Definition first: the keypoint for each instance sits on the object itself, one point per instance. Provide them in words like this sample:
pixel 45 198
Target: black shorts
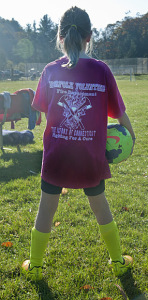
pixel 53 189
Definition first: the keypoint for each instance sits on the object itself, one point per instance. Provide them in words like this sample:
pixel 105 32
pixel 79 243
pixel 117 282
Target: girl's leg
pixel 100 207
pixel 47 208
pixel 40 233
pixel 107 225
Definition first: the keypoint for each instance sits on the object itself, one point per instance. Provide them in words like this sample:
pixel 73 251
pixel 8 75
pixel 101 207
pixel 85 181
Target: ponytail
pixel 72 46
pixel 74 27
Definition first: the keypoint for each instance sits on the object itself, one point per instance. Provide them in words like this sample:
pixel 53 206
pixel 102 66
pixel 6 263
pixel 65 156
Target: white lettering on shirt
pixel 73 135
pixel 77 86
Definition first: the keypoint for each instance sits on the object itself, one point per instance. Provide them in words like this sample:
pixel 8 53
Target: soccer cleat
pixel 34 273
pixel 120 268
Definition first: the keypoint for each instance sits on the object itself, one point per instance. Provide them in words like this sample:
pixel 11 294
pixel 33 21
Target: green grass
pixel 76 255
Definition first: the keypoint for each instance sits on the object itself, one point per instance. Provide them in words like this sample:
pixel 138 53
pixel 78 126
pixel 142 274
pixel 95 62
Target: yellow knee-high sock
pixel 39 241
pixel 111 237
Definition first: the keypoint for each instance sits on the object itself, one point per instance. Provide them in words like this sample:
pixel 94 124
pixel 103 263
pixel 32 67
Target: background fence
pixel 128 66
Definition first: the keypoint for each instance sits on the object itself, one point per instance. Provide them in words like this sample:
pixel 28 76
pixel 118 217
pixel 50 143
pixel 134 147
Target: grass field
pixel 76 255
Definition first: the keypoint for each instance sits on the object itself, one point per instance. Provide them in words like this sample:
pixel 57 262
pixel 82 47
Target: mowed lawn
pixel 76 260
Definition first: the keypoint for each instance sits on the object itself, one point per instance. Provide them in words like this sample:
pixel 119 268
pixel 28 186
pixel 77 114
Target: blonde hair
pixel 74 28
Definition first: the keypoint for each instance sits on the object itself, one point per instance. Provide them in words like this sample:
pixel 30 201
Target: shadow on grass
pixel 42 287
pixel 19 165
pixel 44 291
pixel 130 287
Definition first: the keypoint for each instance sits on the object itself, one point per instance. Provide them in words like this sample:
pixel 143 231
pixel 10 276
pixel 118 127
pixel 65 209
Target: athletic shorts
pixel 53 189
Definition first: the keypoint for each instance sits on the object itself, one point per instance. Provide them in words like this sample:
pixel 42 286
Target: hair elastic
pixel 73 25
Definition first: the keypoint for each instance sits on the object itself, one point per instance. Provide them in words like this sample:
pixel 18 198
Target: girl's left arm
pixel 125 121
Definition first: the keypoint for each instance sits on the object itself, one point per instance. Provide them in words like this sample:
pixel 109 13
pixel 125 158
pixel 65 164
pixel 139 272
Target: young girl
pixel 77 94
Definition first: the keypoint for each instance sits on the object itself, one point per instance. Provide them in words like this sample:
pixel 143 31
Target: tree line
pixel 124 39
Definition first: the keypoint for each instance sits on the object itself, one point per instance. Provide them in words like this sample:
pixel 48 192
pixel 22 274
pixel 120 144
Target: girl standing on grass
pixel 77 94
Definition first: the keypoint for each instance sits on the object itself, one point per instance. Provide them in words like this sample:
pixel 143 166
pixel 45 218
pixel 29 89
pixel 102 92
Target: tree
pixel 127 38
pixel 47 39
pixel 3 59
pixel 24 49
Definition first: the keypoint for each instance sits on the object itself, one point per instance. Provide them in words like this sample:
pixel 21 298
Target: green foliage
pixel 127 38
pixel 31 44
pixel 24 49
pixel 3 59
pixel 76 255
pixel 9 31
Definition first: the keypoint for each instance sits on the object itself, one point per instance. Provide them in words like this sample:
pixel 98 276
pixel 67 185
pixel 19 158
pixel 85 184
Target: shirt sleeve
pixel 116 106
pixel 41 99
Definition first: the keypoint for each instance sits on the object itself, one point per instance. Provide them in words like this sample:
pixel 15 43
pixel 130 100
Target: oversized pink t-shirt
pixel 78 102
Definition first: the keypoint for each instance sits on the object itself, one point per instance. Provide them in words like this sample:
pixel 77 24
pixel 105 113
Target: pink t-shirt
pixel 78 102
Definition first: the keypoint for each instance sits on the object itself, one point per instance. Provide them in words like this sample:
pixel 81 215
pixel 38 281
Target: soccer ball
pixel 119 143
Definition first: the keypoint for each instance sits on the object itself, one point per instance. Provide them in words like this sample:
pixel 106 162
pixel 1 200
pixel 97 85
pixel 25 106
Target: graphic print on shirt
pixel 75 107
